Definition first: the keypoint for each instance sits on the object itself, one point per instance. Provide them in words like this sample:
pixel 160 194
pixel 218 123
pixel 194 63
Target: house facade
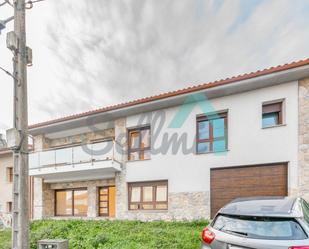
pixel 179 155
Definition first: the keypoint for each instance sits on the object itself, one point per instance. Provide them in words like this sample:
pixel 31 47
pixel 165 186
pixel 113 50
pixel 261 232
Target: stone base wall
pixel 181 206
pixel 303 138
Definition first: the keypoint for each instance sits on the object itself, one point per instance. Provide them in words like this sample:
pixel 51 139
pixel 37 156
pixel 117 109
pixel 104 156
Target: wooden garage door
pixel 230 183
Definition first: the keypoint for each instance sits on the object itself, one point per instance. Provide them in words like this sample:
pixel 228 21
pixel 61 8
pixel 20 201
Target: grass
pixel 116 234
pixel 5 239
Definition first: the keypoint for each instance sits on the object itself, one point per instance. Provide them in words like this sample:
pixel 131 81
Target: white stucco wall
pixel 248 143
pixel 6 191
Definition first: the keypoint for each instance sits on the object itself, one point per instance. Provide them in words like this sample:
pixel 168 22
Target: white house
pixel 178 155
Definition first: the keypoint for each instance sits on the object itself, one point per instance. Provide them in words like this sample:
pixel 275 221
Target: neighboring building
pixel 6 182
pixel 178 155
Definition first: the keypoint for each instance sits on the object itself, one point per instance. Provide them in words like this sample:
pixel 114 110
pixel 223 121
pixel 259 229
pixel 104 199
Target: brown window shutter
pixel 269 108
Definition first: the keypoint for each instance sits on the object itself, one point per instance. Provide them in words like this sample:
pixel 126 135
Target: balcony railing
pixel 87 153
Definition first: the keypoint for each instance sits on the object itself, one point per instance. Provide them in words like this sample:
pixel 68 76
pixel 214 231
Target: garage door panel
pixel 243 172
pixel 238 182
pixel 222 193
pixel 240 192
pixel 252 181
pixel 252 187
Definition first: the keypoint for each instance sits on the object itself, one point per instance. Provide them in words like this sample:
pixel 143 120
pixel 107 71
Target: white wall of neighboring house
pixel 248 143
pixel 5 187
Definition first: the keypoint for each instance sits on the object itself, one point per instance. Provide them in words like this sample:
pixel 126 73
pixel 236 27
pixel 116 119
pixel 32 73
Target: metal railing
pixel 85 153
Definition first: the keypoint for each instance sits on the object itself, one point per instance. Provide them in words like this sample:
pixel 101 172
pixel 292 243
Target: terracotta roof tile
pixel 178 92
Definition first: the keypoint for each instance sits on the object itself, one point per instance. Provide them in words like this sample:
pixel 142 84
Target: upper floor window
pixel 211 133
pixel 272 114
pixel 139 144
pixel 9 174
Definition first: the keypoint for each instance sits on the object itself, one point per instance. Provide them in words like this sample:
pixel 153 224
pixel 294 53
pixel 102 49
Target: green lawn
pixel 5 237
pixel 116 234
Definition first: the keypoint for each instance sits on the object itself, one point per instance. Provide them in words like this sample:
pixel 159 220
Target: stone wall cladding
pixel 81 138
pixel 182 206
pixel 121 185
pixel 38 200
pixel 303 138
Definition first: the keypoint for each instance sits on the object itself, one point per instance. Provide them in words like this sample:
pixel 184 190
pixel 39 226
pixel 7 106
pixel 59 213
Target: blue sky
pixel 247 8
pixel 88 54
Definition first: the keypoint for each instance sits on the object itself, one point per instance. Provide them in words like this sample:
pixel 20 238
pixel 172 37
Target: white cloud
pixel 92 53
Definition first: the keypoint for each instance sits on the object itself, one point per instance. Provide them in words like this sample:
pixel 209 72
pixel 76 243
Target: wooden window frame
pixel 273 108
pixel 211 139
pixel 154 202
pixel 9 207
pixel 139 149
pixel 9 174
pixel 99 201
pixel 72 191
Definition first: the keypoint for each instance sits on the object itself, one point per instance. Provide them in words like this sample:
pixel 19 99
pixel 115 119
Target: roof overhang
pixel 214 90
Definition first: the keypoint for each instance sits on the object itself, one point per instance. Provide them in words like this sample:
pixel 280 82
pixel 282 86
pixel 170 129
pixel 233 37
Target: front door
pixel 107 201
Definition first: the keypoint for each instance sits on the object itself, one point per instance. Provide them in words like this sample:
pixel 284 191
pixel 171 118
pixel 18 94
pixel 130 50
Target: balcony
pixel 83 162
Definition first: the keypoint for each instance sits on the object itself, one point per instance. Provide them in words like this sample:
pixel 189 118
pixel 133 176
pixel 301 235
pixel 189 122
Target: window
pixel 139 144
pixel 211 133
pixel 272 114
pixel 148 196
pixel 266 228
pixel 9 174
pixel 9 206
pixel 71 202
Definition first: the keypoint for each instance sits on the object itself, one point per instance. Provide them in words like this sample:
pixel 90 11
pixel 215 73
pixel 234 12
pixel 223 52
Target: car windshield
pixel 260 227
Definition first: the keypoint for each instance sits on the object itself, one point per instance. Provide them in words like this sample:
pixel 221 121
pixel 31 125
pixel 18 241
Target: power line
pixel 7 72
pixel 31 2
pixel 6 2
pixel 35 1
pixel 9 3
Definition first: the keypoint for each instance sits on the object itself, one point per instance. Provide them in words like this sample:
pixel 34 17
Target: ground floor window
pixel 148 195
pixel 71 202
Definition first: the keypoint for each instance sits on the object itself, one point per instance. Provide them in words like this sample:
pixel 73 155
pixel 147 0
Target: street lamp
pixel 4 22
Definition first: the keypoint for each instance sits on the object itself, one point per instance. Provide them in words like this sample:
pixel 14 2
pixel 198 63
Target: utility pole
pixel 20 224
